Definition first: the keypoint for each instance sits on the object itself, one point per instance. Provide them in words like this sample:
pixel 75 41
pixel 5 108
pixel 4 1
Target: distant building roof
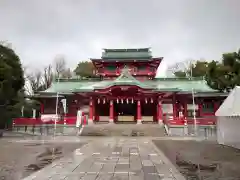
pixel 141 53
pixel 128 50
pixel 231 105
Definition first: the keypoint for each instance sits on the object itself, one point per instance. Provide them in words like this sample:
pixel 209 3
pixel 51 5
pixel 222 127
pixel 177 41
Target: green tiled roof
pixel 128 50
pixel 126 55
pixel 164 84
pixel 183 85
pixel 63 87
pixel 143 53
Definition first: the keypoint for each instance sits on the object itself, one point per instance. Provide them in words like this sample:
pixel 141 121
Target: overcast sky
pixel 79 29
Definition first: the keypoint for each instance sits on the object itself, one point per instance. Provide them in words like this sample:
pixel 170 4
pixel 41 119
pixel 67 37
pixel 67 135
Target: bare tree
pixel 36 81
pixel 42 80
pixel 27 77
pixel 47 76
pixel 67 73
pixel 181 69
pixel 59 65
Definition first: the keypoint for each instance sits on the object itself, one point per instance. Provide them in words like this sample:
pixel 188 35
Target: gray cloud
pixel 177 30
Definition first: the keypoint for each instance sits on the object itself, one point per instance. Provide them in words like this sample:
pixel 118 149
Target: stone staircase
pixel 154 130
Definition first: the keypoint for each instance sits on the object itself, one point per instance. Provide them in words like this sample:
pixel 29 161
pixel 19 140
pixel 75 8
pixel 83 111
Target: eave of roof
pixel 205 94
pixel 48 95
pixel 182 86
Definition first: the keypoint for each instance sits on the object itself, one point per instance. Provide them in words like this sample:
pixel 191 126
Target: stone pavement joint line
pixel 109 159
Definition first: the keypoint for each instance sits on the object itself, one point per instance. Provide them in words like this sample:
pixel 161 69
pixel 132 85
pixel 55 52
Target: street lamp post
pixel 193 101
pixel 56 111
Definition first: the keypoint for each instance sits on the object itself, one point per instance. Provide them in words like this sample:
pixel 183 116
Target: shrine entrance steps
pixel 153 130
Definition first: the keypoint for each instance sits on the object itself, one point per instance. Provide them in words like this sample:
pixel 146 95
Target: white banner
pixel 34 113
pixel 64 103
pixel 22 111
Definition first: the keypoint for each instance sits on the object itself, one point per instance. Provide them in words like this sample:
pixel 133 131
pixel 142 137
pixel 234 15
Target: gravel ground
pixel 18 160
pixel 202 160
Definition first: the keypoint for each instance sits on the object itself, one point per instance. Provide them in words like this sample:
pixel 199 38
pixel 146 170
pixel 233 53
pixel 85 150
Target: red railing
pixel 27 121
pixel 203 121
pixel 38 121
pixel 199 121
pixel 71 120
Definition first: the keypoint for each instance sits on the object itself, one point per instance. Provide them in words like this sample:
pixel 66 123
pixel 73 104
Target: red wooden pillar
pixel 94 110
pixel 200 106
pixel 178 108
pixel 174 109
pixel 111 112
pixel 215 106
pixel 160 113
pixel 90 118
pixel 42 108
pixel 185 113
pixel 84 119
pixel 139 114
pixel 174 106
pixel 96 115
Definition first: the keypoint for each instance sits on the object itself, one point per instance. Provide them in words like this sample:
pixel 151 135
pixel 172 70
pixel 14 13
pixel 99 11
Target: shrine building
pixel 128 91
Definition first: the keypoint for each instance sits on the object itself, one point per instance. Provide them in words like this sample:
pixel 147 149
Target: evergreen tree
pixel 11 84
pixel 224 75
pixel 85 69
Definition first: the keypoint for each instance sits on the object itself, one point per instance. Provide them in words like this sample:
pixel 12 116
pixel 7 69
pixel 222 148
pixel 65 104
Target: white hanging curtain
pixel 64 103
pixel 34 113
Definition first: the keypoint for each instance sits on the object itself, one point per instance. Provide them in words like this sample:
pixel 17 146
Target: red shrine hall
pixel 127 91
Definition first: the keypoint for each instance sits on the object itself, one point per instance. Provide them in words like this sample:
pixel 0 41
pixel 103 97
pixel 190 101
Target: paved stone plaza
pixel 112 158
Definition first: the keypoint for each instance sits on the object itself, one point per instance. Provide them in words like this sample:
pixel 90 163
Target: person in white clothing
pixel 79 119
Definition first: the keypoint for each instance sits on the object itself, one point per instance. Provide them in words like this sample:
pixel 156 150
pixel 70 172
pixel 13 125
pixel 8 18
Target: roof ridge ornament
pixel 125 74
pixel 126 70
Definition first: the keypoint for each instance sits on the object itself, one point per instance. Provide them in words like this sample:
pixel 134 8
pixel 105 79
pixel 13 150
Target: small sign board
pixel 124 88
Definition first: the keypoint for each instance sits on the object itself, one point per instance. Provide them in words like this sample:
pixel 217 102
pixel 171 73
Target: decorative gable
pixel 126 75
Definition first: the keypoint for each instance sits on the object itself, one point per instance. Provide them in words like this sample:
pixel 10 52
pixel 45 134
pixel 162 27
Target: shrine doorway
pixel 125 112
pixel 102 112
